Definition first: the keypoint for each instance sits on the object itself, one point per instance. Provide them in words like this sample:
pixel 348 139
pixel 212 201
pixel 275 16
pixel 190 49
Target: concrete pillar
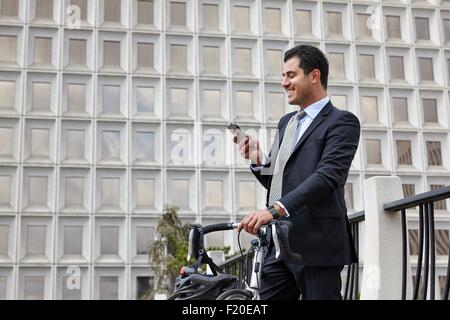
pixel 382 273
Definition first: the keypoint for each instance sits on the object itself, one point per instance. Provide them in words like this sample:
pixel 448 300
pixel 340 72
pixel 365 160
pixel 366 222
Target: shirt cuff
pixel 284 208
pixel 265 160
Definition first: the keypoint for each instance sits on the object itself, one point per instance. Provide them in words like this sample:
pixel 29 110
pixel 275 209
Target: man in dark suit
pixel 305 175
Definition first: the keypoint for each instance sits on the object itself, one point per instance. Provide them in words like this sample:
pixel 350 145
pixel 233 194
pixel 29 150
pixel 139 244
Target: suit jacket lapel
pixel 317 120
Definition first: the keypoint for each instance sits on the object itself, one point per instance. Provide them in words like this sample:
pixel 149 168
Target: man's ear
pixel 315 76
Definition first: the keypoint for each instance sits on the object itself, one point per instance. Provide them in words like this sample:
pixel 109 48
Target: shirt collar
pixel 313 110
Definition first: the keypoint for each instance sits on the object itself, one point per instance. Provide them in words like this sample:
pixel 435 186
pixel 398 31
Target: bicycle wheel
pixel 236 294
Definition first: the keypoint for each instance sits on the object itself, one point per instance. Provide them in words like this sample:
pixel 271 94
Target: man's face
pixel 295 82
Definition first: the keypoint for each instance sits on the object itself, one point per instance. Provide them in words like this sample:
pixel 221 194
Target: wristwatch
pixel 274 212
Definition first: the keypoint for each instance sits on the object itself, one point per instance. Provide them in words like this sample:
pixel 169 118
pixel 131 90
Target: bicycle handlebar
pixel 219 227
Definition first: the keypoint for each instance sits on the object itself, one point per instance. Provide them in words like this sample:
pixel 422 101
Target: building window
pixel 44 9
pixel 73 236
pixel 440 205
pixel 111 54
pixel 145 193
pixel 400 106
pixel 275 105
pixel 178 14
pixel 145 146
pixel 370 109
pixel 447 29
pixel 36 240
pixel 241 16
pixel 110 192
pixel 82 5
pixel 110 145
pixel 348 195
pixel 274 62
pixel 244 104
pixel 9 8
pixel 430 113
pixel 180 188
pixel 34 287
pixel 145 12
pixel 434 154
pixel 178 58
pixel 109 240
pixel 373 151
pixel 6 142
pixel 42 50
pixel 112 10
pixel 145 55
pixel 210 16
pixel 69 293
pixel 5 190
pixel 361 25
pixel 41 96
pixel 111 99
pixel 77 52
pixel 8 48
pixel 144 238
pixel 442 239
pixel 404 152
pixel 74 191
pixel 8 94
pixel 4 235
pixel 211 102
pixel 247 195
pixel 396 68
pixel 334 20
pixel 109 288
pixel 340 101
pixel 393 27
pixel 213 194
pixel 178 102
pixel 76 97
pixel 75 145
pixel 304 24
pixel 366 67
pixel 272 18
pixel 426 69
pixel 408 190
pixel 37 192
pixel 40 143
pixel 145 99
pixel 413 242
pixel 143 287
pixel 211 58
pixel 337 65
pixel 243 61
pixel 422 28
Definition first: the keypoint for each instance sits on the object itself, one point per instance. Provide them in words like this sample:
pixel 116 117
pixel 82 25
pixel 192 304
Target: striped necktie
pixel 286 148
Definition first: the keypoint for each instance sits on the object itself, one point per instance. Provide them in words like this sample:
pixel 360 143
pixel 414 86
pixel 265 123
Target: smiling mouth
pixel 290 93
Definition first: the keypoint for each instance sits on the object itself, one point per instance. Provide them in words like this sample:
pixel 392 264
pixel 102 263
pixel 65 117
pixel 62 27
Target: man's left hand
pixel 254 220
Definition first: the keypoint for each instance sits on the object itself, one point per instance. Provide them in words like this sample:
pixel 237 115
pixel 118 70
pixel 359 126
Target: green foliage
pixel 168 253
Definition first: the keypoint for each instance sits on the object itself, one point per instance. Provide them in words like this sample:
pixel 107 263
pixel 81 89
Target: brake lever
pixel 276 242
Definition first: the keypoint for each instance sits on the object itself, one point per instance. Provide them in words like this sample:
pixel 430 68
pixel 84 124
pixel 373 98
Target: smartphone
pixel 234 128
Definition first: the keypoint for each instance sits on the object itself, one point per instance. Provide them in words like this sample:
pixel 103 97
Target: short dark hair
pixel 310 58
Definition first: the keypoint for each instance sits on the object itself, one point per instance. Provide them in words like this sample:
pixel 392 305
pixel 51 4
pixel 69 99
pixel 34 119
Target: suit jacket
pixel 313 186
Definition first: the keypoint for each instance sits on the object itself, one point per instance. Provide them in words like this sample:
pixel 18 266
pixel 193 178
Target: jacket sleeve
pixel 264 176
pixel 332 170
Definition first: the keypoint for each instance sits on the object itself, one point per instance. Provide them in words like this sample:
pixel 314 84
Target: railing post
pixel 382 273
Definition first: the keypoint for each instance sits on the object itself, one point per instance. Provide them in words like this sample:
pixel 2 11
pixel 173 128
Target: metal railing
pixel 240 265
pixel 426 258
pixel 352 281
pixel 425 202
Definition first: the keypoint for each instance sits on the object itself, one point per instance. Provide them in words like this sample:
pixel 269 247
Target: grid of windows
pixel 95 137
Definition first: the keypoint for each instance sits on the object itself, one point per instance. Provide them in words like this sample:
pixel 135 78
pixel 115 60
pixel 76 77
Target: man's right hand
pixel 250 148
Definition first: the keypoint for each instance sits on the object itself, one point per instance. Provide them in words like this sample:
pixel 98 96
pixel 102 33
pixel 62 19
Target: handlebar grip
pixel 218 227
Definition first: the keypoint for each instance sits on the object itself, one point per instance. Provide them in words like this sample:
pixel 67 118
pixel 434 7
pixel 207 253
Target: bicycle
pixel 191 284
pixel 280 237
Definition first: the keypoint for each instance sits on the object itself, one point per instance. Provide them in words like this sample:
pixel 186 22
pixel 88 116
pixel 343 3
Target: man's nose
pixel 285 83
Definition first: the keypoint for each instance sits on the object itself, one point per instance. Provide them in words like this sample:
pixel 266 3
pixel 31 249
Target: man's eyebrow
pixel 288 73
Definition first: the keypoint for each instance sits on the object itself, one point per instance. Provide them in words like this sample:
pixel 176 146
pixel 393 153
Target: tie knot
pixel 300 114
